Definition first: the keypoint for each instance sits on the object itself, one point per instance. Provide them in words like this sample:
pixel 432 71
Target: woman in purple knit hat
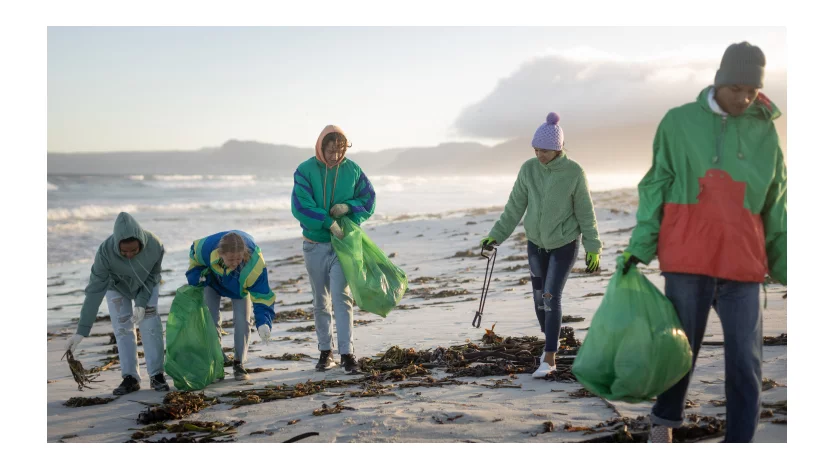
pixel 554 192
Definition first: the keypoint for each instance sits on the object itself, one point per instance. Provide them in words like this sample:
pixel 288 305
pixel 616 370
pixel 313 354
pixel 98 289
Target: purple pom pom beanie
pixel 549 135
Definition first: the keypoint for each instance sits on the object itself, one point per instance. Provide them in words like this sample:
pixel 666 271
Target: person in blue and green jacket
pixel 327 187
pixel 230 264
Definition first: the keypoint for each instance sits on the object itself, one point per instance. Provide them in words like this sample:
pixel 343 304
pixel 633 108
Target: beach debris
pixel 767 384
pixel 332 409
pixel 572 319
pixel 549 426
pixel 188 431
pixel 302 329
pixel 490 337
pixel 373 389
pixel 76 402
pixel 718 403
pixel 583 429
pixel 290 423
pixel 430 382
pixel 362 322
pixel 300 437
pixel 297 314
pixel 287 357
pixel 501 383
pixel 766 414
pixel 781 340
pixel 523 281
pixel 780 407
pixel 176 405
pixel 82 376
pixel 255 370
pixel 593 294
pixel 779 421
pixel 581 393
pixel 304 339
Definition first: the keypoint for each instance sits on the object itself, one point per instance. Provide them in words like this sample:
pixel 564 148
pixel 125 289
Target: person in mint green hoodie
pixel 328 187
pixel 127 269
pixel 714 210
pixel 553 190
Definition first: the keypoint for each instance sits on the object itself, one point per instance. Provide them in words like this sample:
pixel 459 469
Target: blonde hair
pixel 233 243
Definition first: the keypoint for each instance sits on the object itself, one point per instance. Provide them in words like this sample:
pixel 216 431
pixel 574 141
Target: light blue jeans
pixel 121 311
pixel 331 295
pixel 242 309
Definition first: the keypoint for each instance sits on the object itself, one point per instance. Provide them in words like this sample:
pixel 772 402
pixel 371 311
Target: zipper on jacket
pixel 720 143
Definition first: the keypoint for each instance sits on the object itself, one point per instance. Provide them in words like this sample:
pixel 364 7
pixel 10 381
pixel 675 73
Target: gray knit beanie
pixel 742 64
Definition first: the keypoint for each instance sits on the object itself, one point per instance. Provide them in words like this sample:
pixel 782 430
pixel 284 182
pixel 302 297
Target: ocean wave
pixel 70 227
pixel 136 177
pixel 51 187
pixel 99 212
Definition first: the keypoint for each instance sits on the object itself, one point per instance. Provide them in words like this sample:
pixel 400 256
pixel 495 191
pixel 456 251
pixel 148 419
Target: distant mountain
pixel 622 148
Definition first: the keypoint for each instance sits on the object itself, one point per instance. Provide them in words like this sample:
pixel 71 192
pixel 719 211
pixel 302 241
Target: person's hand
pixel 72 343
pixel 336 230
pixel 486 241
pixel 138 315
pixel 339 210
pixel 264 332
pixel 591 262
pixel 629 261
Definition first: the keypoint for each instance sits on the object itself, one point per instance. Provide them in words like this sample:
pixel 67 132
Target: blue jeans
pixel 242 309
pixel 549 272
pixel 331 294
pixel 121 310
pixel 737 304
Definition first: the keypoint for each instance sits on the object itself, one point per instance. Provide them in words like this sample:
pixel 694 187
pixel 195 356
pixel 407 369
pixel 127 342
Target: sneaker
pixel 542 371
pixel 349 363
pixel 240 372
pixel 541 359
pixel 660 434
pixel 129 384
pixel 159 384
pixel 326 361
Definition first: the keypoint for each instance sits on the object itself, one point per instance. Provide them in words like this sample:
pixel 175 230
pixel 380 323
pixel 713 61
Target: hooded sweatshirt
pixel 715 201
pixel 319 186
pixel 134 278
pixel 558 205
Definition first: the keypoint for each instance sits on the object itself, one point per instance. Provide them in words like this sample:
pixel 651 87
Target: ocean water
pixel 182 208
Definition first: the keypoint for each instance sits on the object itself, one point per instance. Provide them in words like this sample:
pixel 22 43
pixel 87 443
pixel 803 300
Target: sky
pixel 184 88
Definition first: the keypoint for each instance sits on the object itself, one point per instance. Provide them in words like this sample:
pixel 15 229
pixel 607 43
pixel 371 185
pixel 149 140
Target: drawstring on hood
pixel 330 128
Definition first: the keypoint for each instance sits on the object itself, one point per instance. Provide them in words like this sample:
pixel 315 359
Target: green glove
pixel 592 262
pixel 630 260
pixel 488 241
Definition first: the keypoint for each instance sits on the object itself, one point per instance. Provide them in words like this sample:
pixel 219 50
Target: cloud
pixel 593 90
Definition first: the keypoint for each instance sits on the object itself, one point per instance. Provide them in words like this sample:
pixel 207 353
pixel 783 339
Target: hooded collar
pixel 320 152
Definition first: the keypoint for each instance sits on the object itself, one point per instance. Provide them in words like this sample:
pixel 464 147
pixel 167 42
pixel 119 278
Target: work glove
pixel 339 210
pixel 265 333
pixel 138 315
pixel 336 230
pixel 629 260
pixel 591 262
pixel 488 241
pixel 72 343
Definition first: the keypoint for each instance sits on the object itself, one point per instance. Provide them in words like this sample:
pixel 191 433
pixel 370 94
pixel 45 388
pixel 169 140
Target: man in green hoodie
pixel 127 268
pixel 713 209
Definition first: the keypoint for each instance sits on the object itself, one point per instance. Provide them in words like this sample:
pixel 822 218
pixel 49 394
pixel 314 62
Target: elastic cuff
pixel 83 330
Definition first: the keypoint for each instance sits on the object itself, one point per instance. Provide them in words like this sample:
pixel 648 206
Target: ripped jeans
pixel 549 272
pixel 121 310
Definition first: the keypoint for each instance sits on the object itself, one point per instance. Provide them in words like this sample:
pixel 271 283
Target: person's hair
pixel 130 240
pixel 233 243
pixel 341 142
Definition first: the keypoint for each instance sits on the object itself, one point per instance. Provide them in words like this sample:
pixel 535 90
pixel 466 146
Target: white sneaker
pixel 541 359
pixel 542 371
pixel 660 434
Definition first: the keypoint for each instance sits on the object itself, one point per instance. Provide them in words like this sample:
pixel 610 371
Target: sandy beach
pixel 436 312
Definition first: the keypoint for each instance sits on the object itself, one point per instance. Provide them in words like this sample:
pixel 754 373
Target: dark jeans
pixel 737 304
pixel 549 271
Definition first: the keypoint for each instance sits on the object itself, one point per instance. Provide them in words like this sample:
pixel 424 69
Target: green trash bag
pixel 194 358
pixel 635 348
pixel 376 283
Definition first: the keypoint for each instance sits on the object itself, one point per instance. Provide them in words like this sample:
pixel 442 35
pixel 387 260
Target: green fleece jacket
pixel 558 205
pixel 133 278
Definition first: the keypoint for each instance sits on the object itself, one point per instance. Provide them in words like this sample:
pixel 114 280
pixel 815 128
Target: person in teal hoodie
pixel 230 264
pixel 127 269
pixel 327 187
pixel 553 191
